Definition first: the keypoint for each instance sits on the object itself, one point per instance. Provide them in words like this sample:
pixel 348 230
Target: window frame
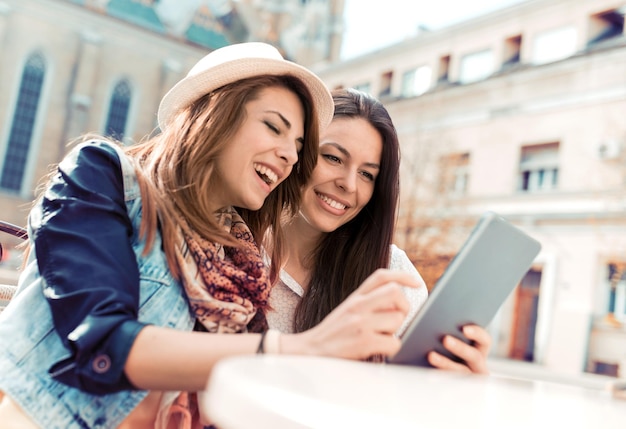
pixel 112 115
pixel 540 174
pixel 26 190
pixel 420 81
pixel 477 57
pixel 540 54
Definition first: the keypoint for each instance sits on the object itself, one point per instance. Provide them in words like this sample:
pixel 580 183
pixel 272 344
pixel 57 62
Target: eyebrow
pixel 285 121
pixel 347 154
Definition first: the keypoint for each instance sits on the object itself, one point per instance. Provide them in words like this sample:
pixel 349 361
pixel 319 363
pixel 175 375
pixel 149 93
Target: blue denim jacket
pixel 84 295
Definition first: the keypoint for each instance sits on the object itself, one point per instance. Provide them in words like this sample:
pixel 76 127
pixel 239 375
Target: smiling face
pixel 262 152
pixel 344 178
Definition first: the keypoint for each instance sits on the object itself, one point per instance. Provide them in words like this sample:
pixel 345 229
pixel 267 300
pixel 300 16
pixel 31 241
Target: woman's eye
pixel 331 158
pixel 368 176
pixel 272 127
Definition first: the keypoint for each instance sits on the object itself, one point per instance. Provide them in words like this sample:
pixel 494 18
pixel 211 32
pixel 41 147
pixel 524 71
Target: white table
pixel 308 392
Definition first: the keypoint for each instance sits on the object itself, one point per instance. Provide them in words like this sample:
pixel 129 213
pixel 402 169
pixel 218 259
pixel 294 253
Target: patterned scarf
pixel 228 289
pixel 226 286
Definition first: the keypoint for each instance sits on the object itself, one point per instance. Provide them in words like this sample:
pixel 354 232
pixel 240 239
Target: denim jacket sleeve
pixel 82 236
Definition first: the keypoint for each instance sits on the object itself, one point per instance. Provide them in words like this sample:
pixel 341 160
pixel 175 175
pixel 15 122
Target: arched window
pixel 23 123
pixel 118 110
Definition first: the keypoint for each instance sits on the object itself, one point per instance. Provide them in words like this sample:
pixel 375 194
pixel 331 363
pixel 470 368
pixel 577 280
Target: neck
pixel 302 240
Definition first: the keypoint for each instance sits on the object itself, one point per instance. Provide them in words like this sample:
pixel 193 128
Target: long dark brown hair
pixel 347 256
pixel 176 168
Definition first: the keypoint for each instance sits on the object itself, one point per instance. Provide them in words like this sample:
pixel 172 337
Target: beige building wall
pixel 576 100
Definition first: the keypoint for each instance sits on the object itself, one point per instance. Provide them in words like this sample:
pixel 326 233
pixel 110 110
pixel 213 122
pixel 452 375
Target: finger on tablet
pixel 440 361
pixel 480 337
pixel 471 356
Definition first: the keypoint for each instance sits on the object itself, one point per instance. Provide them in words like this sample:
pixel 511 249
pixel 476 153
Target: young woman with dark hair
pixel 344 229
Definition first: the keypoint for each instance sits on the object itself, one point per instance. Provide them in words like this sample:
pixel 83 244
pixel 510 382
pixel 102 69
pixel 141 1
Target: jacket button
pixel 101 364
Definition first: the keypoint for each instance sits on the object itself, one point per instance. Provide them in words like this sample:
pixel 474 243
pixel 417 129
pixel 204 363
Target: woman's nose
pixel 288 151
pixel 347 182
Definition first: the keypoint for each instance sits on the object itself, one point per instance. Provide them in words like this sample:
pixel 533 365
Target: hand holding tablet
pixel 489 265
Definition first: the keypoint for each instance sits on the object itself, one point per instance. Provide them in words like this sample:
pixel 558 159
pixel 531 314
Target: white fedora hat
pixel 235 62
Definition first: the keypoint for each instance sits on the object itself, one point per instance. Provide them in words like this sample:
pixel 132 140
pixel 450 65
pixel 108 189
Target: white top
pixel 287 293
pixel 287 392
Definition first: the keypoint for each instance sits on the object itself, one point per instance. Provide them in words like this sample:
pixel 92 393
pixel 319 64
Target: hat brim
pixel 193 87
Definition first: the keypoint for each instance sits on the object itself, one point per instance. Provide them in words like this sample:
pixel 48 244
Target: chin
pixel 255 206
pixel 249 205
pixel 325 228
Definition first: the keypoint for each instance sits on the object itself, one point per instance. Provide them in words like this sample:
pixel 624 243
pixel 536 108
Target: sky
pixel 369 27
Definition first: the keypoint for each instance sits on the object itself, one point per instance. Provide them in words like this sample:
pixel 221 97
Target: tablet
pixel 493 260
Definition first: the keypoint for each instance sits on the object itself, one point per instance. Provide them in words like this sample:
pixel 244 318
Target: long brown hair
pixel 176 169
pixel 345 257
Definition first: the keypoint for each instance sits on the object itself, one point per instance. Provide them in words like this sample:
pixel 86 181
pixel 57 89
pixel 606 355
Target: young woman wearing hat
pixel 135 253
pixel 343 231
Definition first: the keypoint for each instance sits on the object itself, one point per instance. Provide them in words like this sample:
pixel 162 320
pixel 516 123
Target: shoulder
pixel 91 167
pixel 399 260
pixel 90 152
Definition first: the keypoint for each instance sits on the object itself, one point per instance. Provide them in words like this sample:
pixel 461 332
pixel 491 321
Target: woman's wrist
pixel 295 344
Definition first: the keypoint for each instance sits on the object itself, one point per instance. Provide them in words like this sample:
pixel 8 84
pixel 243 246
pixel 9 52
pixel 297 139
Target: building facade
pixel 520 111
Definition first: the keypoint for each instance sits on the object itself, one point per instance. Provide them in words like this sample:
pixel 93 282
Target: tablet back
pixel 479 278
